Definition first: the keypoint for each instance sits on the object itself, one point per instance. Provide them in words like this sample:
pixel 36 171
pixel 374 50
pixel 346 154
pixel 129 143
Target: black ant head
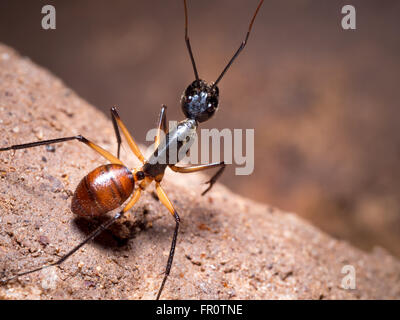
pixel 200 100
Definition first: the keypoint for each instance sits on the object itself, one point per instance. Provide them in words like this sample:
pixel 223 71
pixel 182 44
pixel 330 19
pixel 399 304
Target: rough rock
pixel 228 248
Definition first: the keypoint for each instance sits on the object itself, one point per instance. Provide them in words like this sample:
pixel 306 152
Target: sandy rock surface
pixel 228 247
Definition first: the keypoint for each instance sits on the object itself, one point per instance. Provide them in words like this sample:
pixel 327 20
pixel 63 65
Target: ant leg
pixel 167 203
pixel 202 167
pixel 92 145
pixel 91 236
pixel 132 144
pixel 162 125
pixel 117 133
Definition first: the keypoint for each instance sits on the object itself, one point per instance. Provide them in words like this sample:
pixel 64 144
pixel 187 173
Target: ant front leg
pixel 202 167
pixel 162 125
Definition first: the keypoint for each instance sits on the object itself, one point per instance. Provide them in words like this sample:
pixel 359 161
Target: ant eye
pixel 212 104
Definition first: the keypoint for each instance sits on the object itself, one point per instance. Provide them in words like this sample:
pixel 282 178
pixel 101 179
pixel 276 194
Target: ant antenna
pixel 188 43
pixel 240 48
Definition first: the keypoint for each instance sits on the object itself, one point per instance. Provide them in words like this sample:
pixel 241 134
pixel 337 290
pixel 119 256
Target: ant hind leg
pixel 167 203
pixel 80 138
pixel 91 236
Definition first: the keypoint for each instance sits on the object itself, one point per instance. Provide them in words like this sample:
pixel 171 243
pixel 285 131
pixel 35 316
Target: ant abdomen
pixel 102 190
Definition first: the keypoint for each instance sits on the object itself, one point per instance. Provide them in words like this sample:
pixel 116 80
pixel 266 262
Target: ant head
pixel 200 100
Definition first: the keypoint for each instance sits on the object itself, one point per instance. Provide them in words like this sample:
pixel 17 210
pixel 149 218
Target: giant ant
pixel 109 186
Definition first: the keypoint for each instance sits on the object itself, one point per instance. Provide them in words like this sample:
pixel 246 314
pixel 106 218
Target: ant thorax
pixel 174 146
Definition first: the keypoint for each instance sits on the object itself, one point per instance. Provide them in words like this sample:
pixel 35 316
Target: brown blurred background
pixel 324 102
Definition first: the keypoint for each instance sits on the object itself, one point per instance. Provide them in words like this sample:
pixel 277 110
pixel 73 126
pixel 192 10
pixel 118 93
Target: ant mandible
pixel 109 186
